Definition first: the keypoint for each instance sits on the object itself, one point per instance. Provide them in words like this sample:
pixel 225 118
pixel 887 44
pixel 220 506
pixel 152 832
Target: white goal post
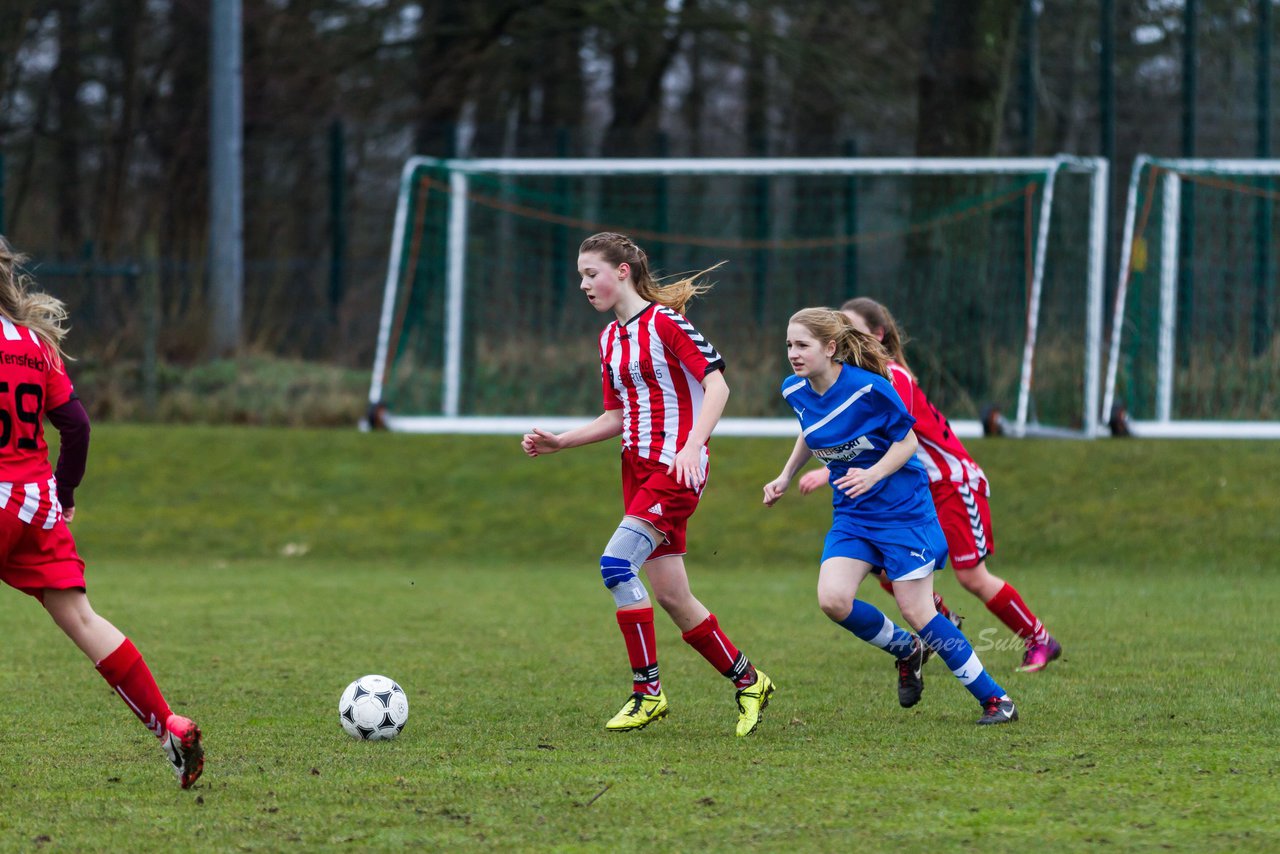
pixel 458 187
pixel 1230 224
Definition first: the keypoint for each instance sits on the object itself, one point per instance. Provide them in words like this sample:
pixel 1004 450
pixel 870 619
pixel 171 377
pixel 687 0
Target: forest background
pixel 104 132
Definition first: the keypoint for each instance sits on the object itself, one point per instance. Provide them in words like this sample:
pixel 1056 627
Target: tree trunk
pixel 125 30
pixel 639 65
pixel 961 90
pixel 177 126
pixel 755 202
pixel 66 79
pixel 961 103
pixel 441 87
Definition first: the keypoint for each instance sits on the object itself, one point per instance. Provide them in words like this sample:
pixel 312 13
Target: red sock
pixel 125 671
pixel 712 645
pixel 642 649
pixel 1014 613
pixel 937 599
pixel 941 607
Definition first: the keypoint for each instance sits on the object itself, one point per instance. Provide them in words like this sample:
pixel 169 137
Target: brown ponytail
pixel 39 312
pixel 619 249
pixel 878 317
pixel 852 347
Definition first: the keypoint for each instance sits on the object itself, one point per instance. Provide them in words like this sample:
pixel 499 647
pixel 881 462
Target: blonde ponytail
pixel 41 313
pixel 852 347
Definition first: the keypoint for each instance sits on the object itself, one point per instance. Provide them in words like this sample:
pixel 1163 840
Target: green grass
pixel 261 570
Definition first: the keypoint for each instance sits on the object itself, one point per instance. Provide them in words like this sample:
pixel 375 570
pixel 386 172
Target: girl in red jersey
pixel 664 392
pixel 960 491
pixel 37 553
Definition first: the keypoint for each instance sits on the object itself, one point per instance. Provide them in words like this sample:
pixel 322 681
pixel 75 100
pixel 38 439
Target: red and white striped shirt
pixel 943 455
pixel 32 382
pixel 652 367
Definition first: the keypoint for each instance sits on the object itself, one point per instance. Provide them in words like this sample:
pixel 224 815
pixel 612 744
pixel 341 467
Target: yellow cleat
pixel 639 711
pixel 752 701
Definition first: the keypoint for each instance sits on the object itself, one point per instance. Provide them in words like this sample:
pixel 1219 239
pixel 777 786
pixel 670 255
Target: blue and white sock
pixel 869 623
pixel 952 647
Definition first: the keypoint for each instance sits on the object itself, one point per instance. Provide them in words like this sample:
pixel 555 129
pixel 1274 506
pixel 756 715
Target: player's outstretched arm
pixel 774 489
pixel 542 442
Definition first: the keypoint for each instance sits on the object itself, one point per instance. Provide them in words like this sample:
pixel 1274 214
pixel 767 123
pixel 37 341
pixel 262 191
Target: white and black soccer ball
pixel 373 708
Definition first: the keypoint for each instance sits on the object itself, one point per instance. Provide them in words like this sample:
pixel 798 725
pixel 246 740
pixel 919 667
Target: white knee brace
pixel 626 552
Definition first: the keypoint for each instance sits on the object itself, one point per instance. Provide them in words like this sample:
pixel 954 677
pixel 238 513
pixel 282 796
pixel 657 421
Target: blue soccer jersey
pixel 853 424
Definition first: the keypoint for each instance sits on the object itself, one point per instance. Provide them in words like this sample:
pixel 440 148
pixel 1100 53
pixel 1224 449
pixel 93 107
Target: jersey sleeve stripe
pixel 699 340
pixel 841 408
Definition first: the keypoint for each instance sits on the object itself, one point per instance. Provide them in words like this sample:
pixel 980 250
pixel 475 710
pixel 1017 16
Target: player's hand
pixel 540 442
pixel 774 489
pixel 68 513
pixel 687 466
pixel 856 482
pixel 813 480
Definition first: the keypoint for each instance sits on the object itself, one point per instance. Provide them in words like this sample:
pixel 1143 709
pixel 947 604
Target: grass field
pixel 260 571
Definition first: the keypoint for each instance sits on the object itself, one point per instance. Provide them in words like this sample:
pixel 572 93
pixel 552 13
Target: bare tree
pixel 126 31
pixel 66 79
pixel 964 77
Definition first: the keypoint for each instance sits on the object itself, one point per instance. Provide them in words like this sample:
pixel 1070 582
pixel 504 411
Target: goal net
pixel 993 267
pixel 1193 349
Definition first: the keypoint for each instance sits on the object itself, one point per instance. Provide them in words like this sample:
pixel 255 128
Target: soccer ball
pixel 373 708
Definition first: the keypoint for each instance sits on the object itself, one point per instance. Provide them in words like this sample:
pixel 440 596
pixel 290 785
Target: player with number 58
pixel 37 552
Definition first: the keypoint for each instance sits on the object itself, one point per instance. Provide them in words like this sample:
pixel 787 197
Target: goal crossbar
pixel 460 171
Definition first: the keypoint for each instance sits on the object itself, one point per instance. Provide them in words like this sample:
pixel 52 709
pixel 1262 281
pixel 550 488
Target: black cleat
pixel 998 710
pixel 910 677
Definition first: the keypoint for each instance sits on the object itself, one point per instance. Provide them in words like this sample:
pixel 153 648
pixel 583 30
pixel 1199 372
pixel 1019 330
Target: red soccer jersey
pixel 32 382
pixel 652 369
pixel 943 455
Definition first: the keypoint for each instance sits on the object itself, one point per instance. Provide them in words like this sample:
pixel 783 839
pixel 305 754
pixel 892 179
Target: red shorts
pixel 649 493
pixel 33 559
pixel 966 523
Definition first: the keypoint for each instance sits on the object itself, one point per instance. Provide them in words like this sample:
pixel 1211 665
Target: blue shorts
pixel 903 553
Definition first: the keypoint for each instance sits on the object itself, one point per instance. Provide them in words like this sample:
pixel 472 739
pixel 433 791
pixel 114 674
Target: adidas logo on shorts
pixel 655 509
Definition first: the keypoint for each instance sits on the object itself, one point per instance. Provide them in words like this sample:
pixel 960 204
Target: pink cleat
pixel 1038 656
pixel 181 744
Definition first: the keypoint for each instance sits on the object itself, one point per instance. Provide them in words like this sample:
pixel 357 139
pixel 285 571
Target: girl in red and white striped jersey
pixel 664 392
pixel 37 553
pixel 960 491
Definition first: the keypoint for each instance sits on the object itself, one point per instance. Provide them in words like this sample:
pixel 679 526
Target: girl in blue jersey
pixel 852 419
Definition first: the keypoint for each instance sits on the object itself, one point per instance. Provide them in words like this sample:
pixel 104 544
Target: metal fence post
pixel 1264 278
pixel 337 216
pixel 147 275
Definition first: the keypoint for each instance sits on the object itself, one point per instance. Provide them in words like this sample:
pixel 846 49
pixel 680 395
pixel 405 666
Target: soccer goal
pixel 1194 350
pixel 994 268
